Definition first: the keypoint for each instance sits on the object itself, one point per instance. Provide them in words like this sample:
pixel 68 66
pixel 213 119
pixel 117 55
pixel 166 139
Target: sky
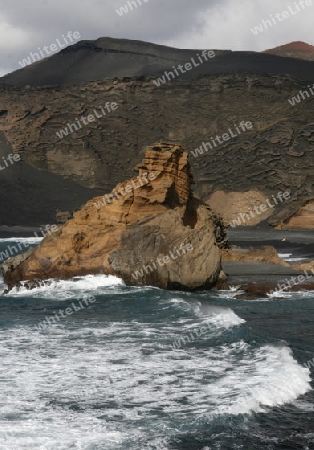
pixel 26 25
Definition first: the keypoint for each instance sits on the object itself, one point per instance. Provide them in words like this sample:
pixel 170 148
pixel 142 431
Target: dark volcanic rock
pixel 275 155
pixel 103 153
pixel 108 58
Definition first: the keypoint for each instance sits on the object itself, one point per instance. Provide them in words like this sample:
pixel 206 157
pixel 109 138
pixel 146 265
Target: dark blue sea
pixel 142 368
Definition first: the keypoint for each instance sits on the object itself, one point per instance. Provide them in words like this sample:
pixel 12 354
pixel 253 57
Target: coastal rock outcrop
pixel 150 230
pixel 302 218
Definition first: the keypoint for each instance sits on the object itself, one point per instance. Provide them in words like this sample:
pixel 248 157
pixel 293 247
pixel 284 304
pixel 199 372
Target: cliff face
pixel 61 167
pixel 148 230
pixel 274 155
pixel 302 218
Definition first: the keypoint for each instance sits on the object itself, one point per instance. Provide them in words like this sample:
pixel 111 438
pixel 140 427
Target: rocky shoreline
pixel 265 258
pixel 159 233
pixel 254 279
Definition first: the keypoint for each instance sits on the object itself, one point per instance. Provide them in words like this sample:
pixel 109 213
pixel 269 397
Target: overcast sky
pixel 26 25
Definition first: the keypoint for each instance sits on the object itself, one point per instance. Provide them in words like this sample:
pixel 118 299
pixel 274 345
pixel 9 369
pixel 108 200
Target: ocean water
pixel 142 368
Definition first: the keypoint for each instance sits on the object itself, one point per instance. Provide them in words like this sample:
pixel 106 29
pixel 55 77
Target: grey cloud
pixel 43 21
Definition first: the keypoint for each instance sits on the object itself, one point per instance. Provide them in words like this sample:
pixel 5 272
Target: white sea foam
pixel 184 305
pixel 284 255
pixel 65 378
pixel 99 384
pixel 296 259
pixel 271 377
pixel 217 316
pixel 228 294
pixel 276 294
pixel 235 288
pixel 27 240
pixel 64 289
pixel 221 317
pixel 287 257
pixel 289 295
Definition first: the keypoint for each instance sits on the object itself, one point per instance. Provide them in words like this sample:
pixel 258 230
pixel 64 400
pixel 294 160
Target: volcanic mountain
pixel 297 49
pixel 107 58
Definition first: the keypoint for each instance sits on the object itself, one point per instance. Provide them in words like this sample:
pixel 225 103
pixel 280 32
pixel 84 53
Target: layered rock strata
pixel 149 230
pixel 275 155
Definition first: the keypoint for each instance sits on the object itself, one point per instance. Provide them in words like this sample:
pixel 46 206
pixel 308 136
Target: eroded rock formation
pixel 302 218
pixel 265 254
pixel 237 208
pixel 149 230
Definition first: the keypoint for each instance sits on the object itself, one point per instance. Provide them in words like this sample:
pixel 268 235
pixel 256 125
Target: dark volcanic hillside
pixel 275 155
pixel 30 196
pixel 108 58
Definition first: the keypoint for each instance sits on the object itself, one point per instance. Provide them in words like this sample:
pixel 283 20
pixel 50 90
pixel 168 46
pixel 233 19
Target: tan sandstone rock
pixel 237 208
pixel 150 230
pixel 303 218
